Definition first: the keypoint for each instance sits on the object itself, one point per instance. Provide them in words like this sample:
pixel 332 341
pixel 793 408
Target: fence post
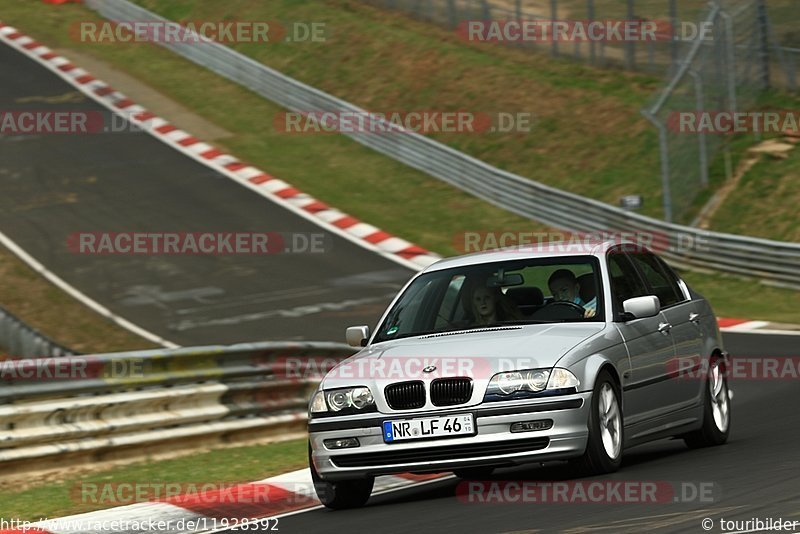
pixel 673 21
pixel 666 193
pixel 700 106
pixel 553 19
pixel 630 52
pixel 763 42
pixel 451 14
pixel 730 63
pixel 486 11
pixel 590 16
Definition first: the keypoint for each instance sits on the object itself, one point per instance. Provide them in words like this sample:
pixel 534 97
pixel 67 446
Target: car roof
pixel 553 249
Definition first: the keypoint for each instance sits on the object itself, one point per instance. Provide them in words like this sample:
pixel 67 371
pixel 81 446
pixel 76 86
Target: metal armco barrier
pixel 54 408
pixel 19 339
pixel 772 261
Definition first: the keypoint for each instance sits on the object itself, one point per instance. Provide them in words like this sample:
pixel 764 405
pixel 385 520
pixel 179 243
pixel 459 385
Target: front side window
pixel 625 280
pixel 662 283
pixel 539 290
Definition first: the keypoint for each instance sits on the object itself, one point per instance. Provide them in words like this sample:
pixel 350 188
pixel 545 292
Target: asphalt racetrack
pixel 754 475
pixel 57 185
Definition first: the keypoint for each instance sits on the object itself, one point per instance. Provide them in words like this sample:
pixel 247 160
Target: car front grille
pixel 441 453
pixel 405 395
pixel 451 391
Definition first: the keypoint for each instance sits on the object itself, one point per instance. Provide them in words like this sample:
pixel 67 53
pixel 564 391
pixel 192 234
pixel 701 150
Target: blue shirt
pixel 591 305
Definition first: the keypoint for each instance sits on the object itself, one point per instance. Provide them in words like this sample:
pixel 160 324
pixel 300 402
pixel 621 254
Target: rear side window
pixel 625 281
pixel 662 282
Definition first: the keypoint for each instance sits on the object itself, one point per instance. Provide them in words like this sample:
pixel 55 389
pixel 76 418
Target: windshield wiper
pixel 413 334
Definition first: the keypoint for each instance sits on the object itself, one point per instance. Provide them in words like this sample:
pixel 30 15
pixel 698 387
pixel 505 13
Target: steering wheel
pixel 566 303
pixel 567 309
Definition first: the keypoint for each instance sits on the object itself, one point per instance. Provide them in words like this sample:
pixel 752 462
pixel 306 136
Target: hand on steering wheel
pixel 585 312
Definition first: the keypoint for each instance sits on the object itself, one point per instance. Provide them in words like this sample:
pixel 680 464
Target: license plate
pixel 428 427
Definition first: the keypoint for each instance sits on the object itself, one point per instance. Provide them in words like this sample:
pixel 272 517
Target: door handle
pixel 695 318
pixel 664 328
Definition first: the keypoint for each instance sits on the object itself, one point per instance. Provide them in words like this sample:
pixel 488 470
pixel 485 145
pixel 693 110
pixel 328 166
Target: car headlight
pixel 318 403
pixel 342 401
pixel 530 382
pixel 562 379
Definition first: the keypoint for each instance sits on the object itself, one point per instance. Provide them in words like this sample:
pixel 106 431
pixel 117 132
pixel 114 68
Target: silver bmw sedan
pixel 507 357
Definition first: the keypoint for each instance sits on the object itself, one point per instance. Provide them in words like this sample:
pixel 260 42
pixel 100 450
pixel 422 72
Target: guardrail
pixel 54 410
pixel 772 261
pixel 19 339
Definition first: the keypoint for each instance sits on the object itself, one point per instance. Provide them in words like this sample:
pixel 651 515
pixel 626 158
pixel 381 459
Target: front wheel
pixel 716 409
pixel 604 447
pixel 341 494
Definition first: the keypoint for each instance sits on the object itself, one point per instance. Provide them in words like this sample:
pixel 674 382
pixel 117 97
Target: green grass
pixel 765 202
pixel 732 296
pixel 589 136
pixel 224 466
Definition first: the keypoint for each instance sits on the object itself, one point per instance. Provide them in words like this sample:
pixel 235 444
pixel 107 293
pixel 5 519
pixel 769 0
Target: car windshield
pixel 538 290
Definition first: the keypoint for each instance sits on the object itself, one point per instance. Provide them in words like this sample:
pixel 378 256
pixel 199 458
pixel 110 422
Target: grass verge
pixel 59 498
pixel 765 202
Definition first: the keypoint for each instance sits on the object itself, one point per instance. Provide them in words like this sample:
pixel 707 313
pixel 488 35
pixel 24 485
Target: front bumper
pixel 493 445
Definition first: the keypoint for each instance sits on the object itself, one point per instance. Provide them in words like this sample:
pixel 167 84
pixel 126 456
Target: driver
pixel 564 287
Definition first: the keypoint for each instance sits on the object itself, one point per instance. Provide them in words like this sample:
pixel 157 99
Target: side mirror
pixel 641 307
pixel 357 336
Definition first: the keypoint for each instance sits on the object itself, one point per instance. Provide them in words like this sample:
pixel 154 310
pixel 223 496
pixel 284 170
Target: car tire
pixel 604 446
pixel 474 473
pixel 716 425
pixel 341 494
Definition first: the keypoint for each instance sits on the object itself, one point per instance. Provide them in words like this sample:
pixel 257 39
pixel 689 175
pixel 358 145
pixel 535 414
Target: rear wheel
pixel 604 447
pixel 716 409
pixel 341 494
